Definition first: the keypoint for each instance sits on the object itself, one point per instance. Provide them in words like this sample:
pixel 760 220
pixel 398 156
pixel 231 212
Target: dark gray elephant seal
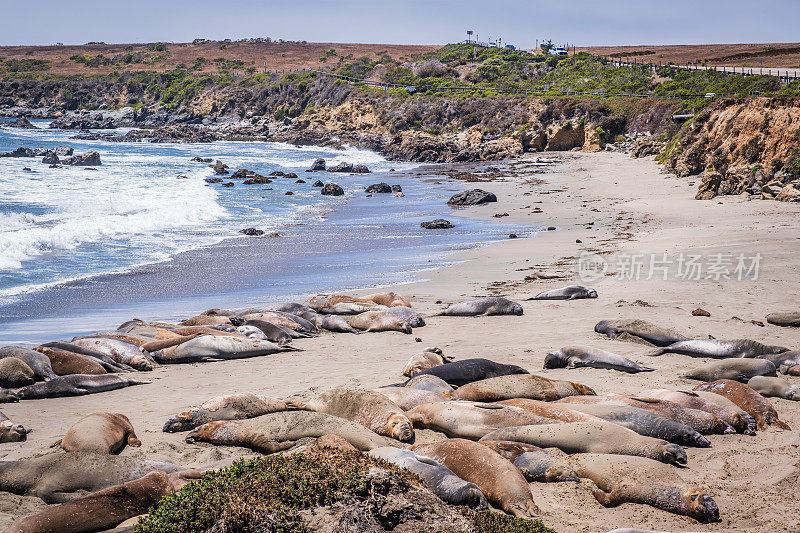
pixel 783 361
pixel 638 331
pixel 487 306
pixel 437 477
pixel 7 396
pixel 11 432
pixel 76 385
pixel 38 362
pixel 274 333
pixel 719 349
pixel 774 387
pixel 581 356
pixel 787 319
pixel 335 323
pixel 737 369
pixel 407 315
pixel 14 373
pixel 465 371
pixel 570 292
pixel 293 308
pixel 428 382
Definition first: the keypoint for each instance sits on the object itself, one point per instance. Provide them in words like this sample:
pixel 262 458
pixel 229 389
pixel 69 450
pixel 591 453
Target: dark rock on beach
pixel 89 159
pixel 331 189
pixel 439 223
pixel 379 188
pixel 473 197
pixel 253 232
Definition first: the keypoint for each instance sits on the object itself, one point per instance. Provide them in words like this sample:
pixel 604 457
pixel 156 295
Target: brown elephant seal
pixel 389 299
pixel 488 306
pixel 76 385
pixel 625 479
pixel 430 358
pixel 498 479
pixel 206 320
pixel 519 386
pixel 465 371
pixel 279 431
pixel 157 346
pixel 14 373
pixel 207 347
pixel 11 432
pixel 731 415
pixel 428 382
pixel 536 465
pixel 65 363
pixel 298 326
pixel 570 292
pixel 227 407
pixel 407 399
pixel 332 304
pixel 119 350
pixel 593 437
pixel 638 331
pixel 366 407
pixel 582 356
pixel 60 477
pixel 719 349
pixel 786 319
pixel 335 323
pixel 774 387
pixel 556 411
pixel 37 361
pixel 437 477
pixel 747 399
pixel 107 362
pixel 735 369
pixel 471 420
pixel 373 321
pixel 100 433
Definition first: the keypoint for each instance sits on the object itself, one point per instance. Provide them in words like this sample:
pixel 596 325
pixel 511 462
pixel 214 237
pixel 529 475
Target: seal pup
pixel 786 319
pixel 101 433
pixel 593 437
pixel 638 331
pixel 570 292
pixel 252 332
pixel 719 349
pixel 407 315
pixel 581 356
pixel 747 399
pixel 441 480
pixel 37 361
pixel 76 385
pixel 732 415
pixel 536 465
pixel 626 479
pixel 273 333
pixel 465 371
pixel 377 321
pixel 335 323
pixel 428 382
pixel 366 407
pixel 429 358
pixel 407 398
pixel 518 386
pixel 774 387
pixel 118 350
pixel 501 482
pixel 735 369
pixel 11 432
pixel 14 373
pixel 226 407
pixel 471 420
pixel 487 306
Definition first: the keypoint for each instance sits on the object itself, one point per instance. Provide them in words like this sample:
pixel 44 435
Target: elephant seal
pixel 101 433
pixel 108 363
pixel 407 399
pixel 624 479
pixel 14 373
pixel 645 423
pixel 465 371
pixel 581 356
pixel 638 331
pixel 287 323
pixel 428 382
pixel 783 361
pixel 570 292
pixel 37 361
pixel 774 387
pixel 11 432
pixel 556 411
pixel 226 407
pixel 332 304
pixel 303 311
pixel 471 420
pixel 206 320
pixel 787 319
pixel 59 477
pixel 273 333
pixel 6 396
pixel 441 480
pixel 366 407
pixel 76 385
pixel 519 386
pixel 65 363
pixel 593 437
pixel 488 306
pixel 207 347
pixel 719 349
pixel 430 358
pixel 252 332
pixel 732 415
pixel 735 369
pixel 724 403
pixel 389 299
pixel 335 323
pixel 747 399
pixel 279 431
pixel 407 315
pixel 120 351
pixel 377 321
pixel 501 482
pixel 536 465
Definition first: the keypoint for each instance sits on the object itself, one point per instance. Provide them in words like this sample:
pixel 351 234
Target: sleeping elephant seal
pixel 332 304
pixel 303 311
pixel 519 386
pixel 441 480
pixel 593 437
pixel 408 315
pixel 37 361
pixel 335 323
pixel 215 347
pixel 59 477
pixel 7 396
pixel 731 415
pixel 65 363
pixel 501 482
pixel 407 399
pixel 535 464
pixel 120 351
pixel 100 433
pixel 774 387
pixel 460 373
pixel 206 320
pixel 581 356
pixel 11 432
pixel 108 363
pixel 570 292
pixel 273 333
pixel 624 479
pixel 488 306
pixel 389 299
pixel 14 373
pixel 227 407
pixel 747 399
pixel 719 349
pixel 430 358
pixel 556 411
pixel 366 407
pixel 470 420
pixel 783 361
pixel 428 382
pixel 76 385
pixel 638 331
pixel 279 431
pixel 735 369
pixel 787 319
pixel 377 321
pixel 251 332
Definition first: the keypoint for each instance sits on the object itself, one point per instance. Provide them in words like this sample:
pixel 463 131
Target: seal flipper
pixel 656 353
pixel 604 498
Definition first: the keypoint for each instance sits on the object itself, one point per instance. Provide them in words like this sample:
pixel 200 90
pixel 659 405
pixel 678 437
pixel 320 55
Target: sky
pixel 580 22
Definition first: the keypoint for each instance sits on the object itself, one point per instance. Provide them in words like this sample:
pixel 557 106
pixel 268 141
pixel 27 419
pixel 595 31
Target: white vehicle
pixel 558 52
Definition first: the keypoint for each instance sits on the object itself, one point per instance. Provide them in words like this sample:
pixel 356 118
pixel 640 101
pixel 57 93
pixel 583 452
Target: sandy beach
pixel 605 204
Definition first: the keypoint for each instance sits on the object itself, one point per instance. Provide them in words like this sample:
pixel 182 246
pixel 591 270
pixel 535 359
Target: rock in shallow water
pixel 439 223
pixel 331 189
pixel 473 197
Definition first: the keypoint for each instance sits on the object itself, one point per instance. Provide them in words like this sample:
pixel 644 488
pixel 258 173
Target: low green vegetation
pixel 25 65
